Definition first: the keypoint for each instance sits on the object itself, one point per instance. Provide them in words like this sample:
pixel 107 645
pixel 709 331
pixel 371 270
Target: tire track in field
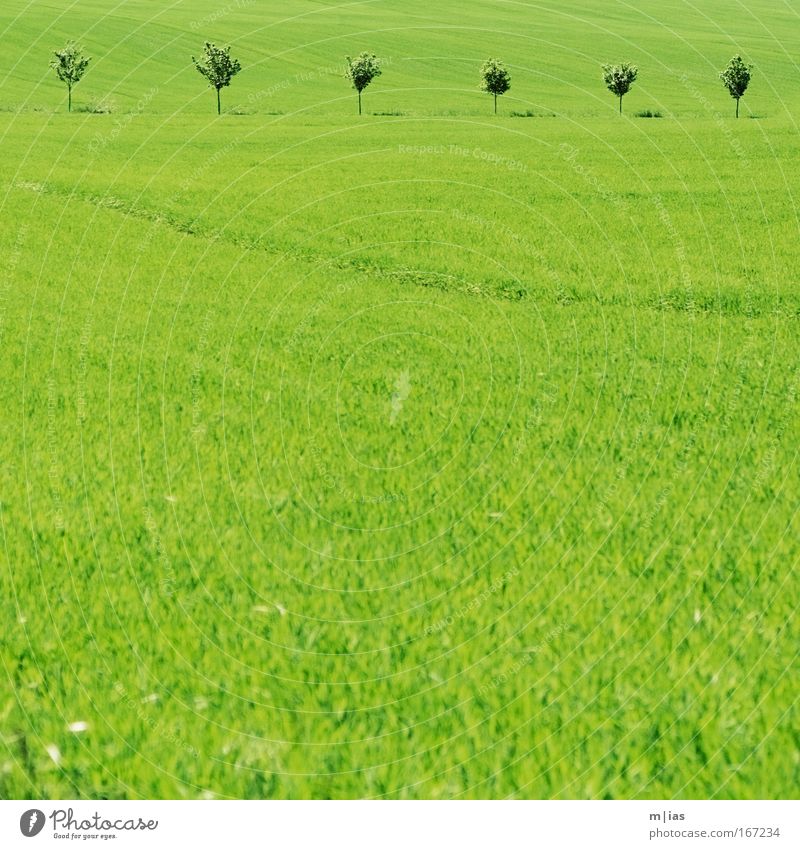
pixel 673 300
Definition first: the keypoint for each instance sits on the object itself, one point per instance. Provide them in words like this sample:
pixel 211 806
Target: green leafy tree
pixel 619 79
pixel 736 78
pixel 495 79
pixel 70 65
pixel 361 71
pixel 217 66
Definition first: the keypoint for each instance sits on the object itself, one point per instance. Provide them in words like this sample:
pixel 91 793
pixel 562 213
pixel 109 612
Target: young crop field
pixel 425 453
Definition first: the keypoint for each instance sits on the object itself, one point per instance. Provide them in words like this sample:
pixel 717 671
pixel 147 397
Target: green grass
pixel 423 455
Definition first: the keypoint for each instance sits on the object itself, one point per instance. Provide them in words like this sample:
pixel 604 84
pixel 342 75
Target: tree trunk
pixel 620 104
pixel 737 107
pixel 359 101
pixel 495 104
pixel 69 98
pixel 218 106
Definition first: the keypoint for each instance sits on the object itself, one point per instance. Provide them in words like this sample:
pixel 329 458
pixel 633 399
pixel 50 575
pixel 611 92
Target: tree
pixel 619 79
pixel 217 67
pixel 736 78
pixel 495 79
pixel 361 71
pixel 70 65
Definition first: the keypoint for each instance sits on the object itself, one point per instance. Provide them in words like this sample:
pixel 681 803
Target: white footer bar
pixel 402 825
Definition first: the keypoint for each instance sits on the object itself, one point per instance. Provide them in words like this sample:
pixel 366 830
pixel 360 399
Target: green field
pixel 422 455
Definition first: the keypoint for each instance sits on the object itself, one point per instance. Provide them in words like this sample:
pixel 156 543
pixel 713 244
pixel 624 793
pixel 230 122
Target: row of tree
pixel 218 67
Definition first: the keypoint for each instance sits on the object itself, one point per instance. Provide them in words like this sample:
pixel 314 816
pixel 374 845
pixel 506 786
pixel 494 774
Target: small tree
pixel 495 79
pixel 736 78
pixel 217 67
pixel 361 71
pixel 70 65
pixel 619 79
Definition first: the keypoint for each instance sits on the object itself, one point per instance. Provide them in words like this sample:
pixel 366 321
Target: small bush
pixel 23 110
pixel 529 113
pixel 96 107
pixel 648 113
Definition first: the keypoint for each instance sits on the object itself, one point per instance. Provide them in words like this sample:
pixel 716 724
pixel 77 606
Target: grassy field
pixel 425 454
